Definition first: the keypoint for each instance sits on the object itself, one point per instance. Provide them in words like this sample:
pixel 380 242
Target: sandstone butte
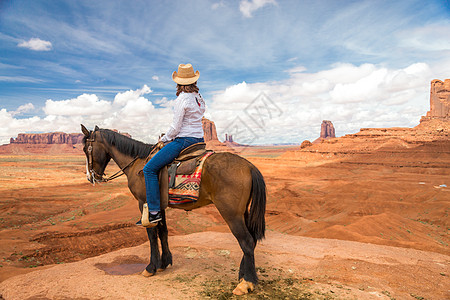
pixel 326 132
pixel 210 136
pixel 439 101
pixel 209 130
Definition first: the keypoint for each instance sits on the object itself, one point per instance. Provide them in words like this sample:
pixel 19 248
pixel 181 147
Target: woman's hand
pixel 163 138
pixel 159 145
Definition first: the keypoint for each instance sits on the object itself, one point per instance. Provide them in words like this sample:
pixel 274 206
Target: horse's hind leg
pixel 247 270
pixel 242 267
pixel 166 257
pixel 155 260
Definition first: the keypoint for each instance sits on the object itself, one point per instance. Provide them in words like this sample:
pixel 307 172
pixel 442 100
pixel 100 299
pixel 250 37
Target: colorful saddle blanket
pixel 187 187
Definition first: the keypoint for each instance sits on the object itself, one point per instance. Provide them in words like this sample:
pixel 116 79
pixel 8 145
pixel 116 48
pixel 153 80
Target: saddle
pixel 185 164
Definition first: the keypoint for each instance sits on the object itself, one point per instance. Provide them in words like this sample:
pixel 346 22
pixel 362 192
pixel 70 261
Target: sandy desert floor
pixel 366 225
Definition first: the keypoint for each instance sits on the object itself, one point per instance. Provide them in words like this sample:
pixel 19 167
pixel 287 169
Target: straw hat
pixel 185 75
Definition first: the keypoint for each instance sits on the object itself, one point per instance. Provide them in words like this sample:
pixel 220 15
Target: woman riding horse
pixel 186 130
pixel 230 182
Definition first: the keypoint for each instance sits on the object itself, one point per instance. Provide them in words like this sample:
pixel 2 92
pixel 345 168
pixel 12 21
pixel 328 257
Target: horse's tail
pixel 256 223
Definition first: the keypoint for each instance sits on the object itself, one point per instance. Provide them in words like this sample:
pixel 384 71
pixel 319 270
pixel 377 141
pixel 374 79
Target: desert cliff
pixel 439 101
pixel 209 130
pixel 48 138
pixel 327 131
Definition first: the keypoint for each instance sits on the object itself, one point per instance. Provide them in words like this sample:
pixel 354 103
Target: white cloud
pixel 381 84
pixel 36 44
pixel 133 104
pixel 23 109
pixel 154 77
pixel 363 89
pixel 83 105
pixel 248 7
pixel 234 97
pixel 123 98
pixel 10 126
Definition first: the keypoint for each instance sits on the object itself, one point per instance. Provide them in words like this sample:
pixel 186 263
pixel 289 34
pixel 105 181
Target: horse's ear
pixel 84 130
pixel 96 128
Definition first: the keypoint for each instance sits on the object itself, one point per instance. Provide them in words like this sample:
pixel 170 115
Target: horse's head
pixel 97 155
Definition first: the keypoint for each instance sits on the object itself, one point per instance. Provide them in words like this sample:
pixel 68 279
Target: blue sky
pixel 109 63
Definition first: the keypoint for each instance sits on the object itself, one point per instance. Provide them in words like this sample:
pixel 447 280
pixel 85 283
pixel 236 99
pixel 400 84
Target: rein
pixel 99 177
pixel 95 175
pixel 120 172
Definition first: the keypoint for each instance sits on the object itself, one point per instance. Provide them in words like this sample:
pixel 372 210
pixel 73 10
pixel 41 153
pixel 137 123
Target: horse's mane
pixel 125 144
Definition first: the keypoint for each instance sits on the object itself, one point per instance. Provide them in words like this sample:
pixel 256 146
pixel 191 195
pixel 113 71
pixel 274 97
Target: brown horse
pixel 229 181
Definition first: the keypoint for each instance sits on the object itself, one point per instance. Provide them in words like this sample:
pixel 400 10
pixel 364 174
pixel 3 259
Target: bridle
pixel 99 177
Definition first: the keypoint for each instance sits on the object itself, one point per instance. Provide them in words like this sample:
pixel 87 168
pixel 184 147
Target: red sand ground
pixel 384 195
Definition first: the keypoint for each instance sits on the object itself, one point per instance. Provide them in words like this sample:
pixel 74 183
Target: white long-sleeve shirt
pixel 187 119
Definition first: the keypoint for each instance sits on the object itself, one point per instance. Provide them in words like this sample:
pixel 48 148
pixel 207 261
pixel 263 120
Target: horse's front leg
pixel 155 260
pixel 163 233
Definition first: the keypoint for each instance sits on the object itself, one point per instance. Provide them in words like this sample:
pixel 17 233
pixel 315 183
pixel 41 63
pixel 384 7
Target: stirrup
pixel 144 219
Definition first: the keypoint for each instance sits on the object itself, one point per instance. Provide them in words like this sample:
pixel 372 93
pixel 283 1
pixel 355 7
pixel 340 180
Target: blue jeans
pixel 163 157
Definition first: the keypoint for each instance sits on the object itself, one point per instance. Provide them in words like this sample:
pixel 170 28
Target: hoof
pixel 243 287
pixel 146 273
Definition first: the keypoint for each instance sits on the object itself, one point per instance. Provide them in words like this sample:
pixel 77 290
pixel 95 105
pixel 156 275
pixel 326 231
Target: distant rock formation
pixel 305 144
pixel 439 101
pixel 209 130
pixel 327 130
pixel 228 138
pixel 48 138
pixel 52 138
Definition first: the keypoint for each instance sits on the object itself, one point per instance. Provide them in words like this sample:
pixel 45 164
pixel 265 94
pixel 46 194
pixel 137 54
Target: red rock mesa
pixel 439 101
pixel 327 130
pixel 209 129
pixel 48 138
